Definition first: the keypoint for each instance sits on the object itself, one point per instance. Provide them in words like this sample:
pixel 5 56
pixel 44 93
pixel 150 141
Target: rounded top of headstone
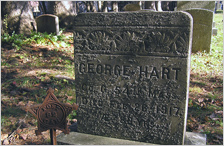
pixel 143 18
pixel 198 9
pixel 183 5
pixel 46 15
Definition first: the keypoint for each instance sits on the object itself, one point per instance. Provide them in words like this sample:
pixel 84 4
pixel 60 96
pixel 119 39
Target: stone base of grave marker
pixel 75 138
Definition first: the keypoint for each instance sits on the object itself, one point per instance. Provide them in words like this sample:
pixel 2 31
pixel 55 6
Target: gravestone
pixel 214 30
pixel 202 29
pixel 47 23
pixel 132 7
pixel 132 74
pixel 184 5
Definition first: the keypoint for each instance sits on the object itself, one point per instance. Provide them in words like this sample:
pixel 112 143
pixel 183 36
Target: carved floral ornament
pixel 132 42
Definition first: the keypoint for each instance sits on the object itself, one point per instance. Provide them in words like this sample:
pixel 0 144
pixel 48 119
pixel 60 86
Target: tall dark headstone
pixel 132 74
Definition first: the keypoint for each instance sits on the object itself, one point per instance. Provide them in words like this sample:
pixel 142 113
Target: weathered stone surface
pixel 48 23
pixel 193 138
pixel 202 29
pixel 132 74
pixel 75 138
pixel 184 5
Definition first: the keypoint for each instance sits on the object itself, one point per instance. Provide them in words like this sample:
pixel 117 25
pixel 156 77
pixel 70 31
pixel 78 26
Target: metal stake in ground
pixel 51 114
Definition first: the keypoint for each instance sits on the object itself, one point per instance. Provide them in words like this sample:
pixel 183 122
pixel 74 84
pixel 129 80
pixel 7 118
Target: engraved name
pixel 125 70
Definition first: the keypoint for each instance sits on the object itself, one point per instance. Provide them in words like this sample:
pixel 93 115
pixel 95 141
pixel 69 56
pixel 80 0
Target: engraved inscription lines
pixel 157 109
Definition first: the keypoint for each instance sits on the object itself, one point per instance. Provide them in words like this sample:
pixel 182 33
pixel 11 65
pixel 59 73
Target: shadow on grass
pixel 218 11
pixel 17 86
pixel 13 111
pixel 205 105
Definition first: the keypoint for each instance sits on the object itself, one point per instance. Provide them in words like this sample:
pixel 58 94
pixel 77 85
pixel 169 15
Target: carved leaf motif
pixel 179 45
pixel 174 48
pixel 128 41
pixel 182 44
pixel 77 35
pixel 158 42
pixel 79 42
pixel 99 41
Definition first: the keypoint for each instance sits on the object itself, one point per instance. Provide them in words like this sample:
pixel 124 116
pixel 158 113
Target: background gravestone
pixel 202 29
pixel 48 23
pixel 184 5
pixel 132 74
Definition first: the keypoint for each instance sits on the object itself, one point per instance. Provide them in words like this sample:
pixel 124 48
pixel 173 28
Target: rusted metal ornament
pixel 51 114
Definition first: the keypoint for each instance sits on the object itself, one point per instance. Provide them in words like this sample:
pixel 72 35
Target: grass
pixel 211 63
pixel 206 89
pixel 30 65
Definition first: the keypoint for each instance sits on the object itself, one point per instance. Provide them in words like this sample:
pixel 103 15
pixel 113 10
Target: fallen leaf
pixel 36 85
pixel 213 115
pixel 30 103
pixel 74 120
pixel 21 103
pixel 17 136
pixel 219 112
pixel 199 127
pixel 69 97
pixel 193 119
pixel 206 118
pixel 4 136
pixel 18 70
pixel 18 131
pixel 219 103
pixel 200 99
pixel 23 136
pixel 5 142
pixel 215 119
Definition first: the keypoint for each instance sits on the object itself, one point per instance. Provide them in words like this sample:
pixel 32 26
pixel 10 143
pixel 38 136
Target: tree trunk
pixel 65 10
pixel 165 5
pixel 104 7
pixel 150 5
pixel 140 4
pixel 158 6
pixel 115 6
pixel 99 6
pixel 18 17
pixel 90 6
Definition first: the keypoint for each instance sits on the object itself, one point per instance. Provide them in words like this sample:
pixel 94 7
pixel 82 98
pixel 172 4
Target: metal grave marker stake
pixel 51 114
